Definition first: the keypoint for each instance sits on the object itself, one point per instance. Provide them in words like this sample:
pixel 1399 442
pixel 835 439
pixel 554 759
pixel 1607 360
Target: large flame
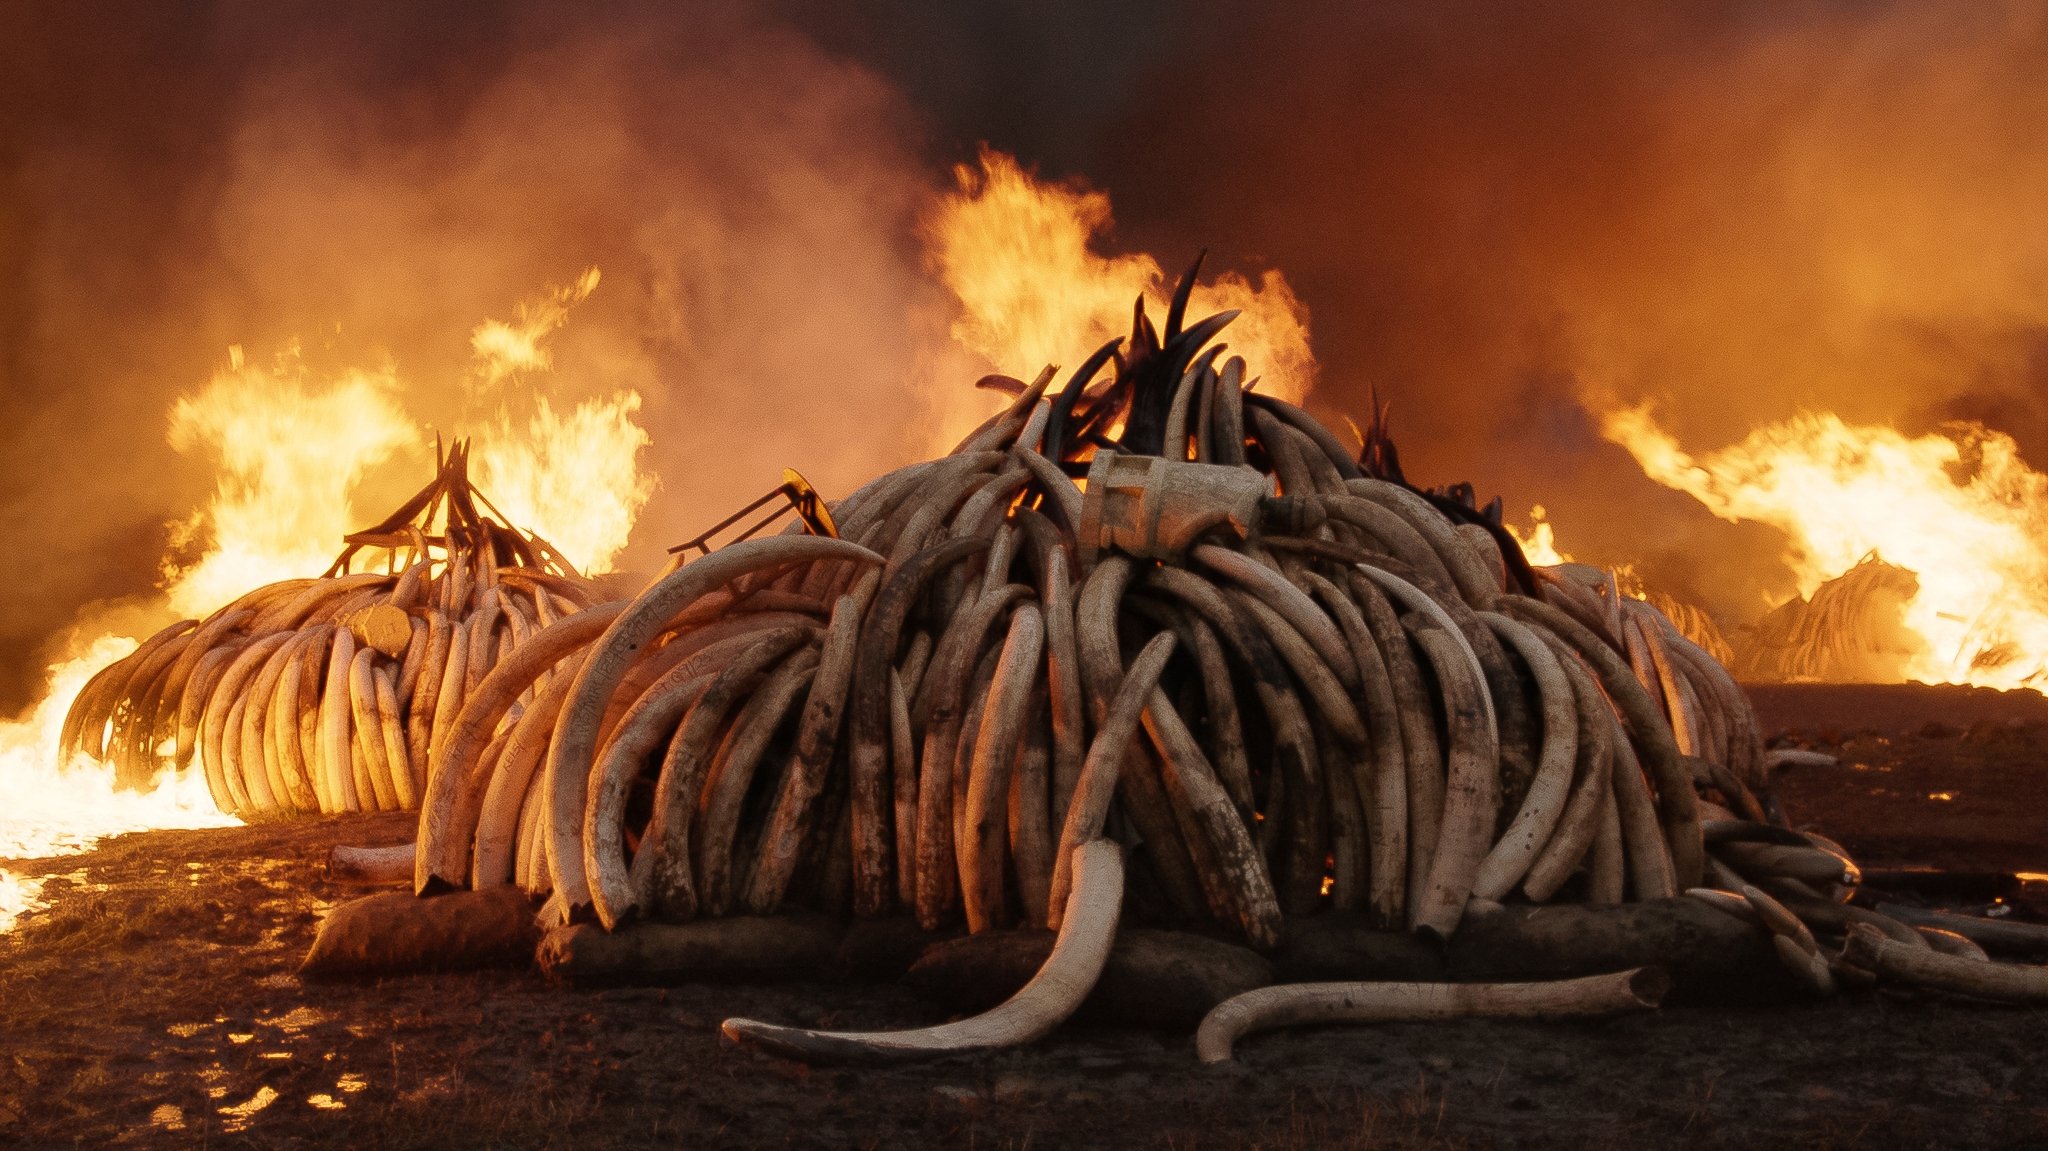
pixel 573 478
pixel 1019 254
pixel 54 809
pixel 291 452
pixel 1957 507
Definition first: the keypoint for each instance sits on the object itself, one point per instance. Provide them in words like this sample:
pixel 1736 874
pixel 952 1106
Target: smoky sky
pixel 1505 216
pixel 1502 216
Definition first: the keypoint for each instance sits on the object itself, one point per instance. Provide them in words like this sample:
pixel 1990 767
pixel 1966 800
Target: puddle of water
pixel 298 1019
pixel 238 1115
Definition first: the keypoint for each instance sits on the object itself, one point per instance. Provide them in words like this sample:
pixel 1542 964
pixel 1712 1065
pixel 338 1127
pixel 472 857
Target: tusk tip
pixel 1650 985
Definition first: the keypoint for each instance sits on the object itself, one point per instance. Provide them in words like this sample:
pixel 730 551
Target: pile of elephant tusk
pixel 324 695
pixel 1238 681
pixel 1849 631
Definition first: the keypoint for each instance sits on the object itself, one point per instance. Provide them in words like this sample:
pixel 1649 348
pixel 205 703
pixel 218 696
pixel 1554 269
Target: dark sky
pixel 1501 215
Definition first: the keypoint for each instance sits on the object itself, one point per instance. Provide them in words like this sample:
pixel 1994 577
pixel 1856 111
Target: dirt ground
pixel 153 1003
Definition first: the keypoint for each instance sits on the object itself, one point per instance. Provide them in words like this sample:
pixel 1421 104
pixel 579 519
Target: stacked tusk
pixel 1262 681
pixel 316 696
pixel 1323 696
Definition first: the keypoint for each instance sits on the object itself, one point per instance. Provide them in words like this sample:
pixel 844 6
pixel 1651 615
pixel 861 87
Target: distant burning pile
pixel 324 695
pixel 1851 631
pixel 294 452
pixel 1958 520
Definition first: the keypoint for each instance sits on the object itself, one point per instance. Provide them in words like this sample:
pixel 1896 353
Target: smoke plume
pixel 1507 218
pixel 368 186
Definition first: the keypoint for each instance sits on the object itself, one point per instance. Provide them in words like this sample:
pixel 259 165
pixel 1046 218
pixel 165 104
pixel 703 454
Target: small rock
pixel 1012 1087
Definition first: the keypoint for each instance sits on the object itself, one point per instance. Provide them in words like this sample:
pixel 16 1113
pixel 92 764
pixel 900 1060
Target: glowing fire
pixel 574 478
pixel 61 810
pixel 503 349
pixel 290 451
pixel 1539 544
pixel 1959 508
pixel 1019 255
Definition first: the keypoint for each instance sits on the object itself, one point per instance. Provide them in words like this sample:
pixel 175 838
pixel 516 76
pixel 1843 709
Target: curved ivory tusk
pixel 1677 802
pixel 1779 919
pixel 347 863
pixel 1066 496
pixel 1474 585
pixel 1290 602
pixel 1034 428
pixel 575 744
pixel 1291 1003
pixel 1069 974
pixel 1532 826
pixel 1729 902
pixel 1089 807
pixel 1415 599
pixel 452 807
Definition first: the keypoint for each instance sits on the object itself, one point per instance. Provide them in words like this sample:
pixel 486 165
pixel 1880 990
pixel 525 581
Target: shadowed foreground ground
pixel 154 1003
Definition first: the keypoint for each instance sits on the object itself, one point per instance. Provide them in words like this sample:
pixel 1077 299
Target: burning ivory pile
pixel 1852 630
pixel 322 695
pixel 1182 695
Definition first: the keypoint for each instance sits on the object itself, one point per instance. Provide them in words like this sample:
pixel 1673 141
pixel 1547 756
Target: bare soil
pixel 154 1002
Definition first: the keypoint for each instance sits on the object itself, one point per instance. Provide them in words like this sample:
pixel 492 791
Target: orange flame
pixel 291 451
pixel 503 349
pixel 1539 546
pixel 574 479
pixel 1019 254
pixel 60 809
pixel 1959 508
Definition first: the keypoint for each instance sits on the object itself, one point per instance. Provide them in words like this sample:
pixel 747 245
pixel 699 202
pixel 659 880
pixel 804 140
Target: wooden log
pixel 1152 978
pixel 743 948
pixel 1712 956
